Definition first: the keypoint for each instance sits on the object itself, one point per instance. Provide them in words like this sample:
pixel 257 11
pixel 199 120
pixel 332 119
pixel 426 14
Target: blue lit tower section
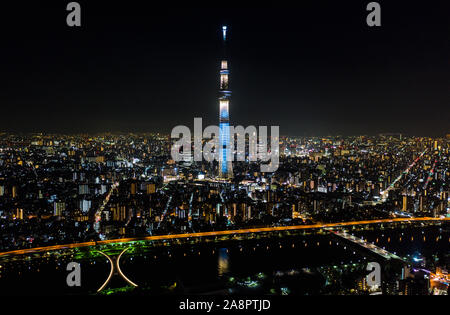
pixel 225 164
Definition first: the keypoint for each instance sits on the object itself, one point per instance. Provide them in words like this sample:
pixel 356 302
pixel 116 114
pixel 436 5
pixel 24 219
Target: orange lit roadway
pixel 385 194
pixel 98 213
pixel 215 233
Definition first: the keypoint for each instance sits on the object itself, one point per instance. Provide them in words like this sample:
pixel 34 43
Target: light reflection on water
pixel 223 264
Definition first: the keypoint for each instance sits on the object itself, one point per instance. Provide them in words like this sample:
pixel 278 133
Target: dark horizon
pixel 314 69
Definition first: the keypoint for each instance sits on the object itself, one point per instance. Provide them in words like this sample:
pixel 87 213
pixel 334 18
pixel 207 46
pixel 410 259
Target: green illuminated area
pixel 117 291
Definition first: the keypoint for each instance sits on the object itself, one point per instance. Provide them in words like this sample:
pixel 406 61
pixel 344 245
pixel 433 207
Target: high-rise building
pixel 14 192
pixel 19 214
pixel 58 208
pixel 405 203
pixel 119 213
pixel 85 205
pixel 414 283
pixel 151 188
pixel 83 189
pixel 225 158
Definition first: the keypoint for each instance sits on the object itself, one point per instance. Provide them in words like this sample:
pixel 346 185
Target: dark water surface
pixel 263 266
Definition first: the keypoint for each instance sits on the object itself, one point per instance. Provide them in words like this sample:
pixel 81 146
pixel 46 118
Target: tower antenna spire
pixel 224 32
pixel 224 40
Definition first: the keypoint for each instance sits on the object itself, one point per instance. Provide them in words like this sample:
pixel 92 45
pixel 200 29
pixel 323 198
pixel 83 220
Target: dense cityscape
pixel 61 189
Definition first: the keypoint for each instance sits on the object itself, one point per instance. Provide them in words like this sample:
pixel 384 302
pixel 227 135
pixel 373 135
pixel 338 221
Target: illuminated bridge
pixel 226 233
pixel 361 242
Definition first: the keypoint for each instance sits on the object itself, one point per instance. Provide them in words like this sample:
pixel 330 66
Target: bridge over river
pixel 225 233
pixel 367 245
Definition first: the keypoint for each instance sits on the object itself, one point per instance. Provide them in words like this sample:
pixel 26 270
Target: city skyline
pixel 106 189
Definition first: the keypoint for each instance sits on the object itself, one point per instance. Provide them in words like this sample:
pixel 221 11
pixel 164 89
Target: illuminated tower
pixel 225 158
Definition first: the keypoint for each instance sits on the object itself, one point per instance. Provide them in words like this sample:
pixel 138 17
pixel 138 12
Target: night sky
pixel 313 69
